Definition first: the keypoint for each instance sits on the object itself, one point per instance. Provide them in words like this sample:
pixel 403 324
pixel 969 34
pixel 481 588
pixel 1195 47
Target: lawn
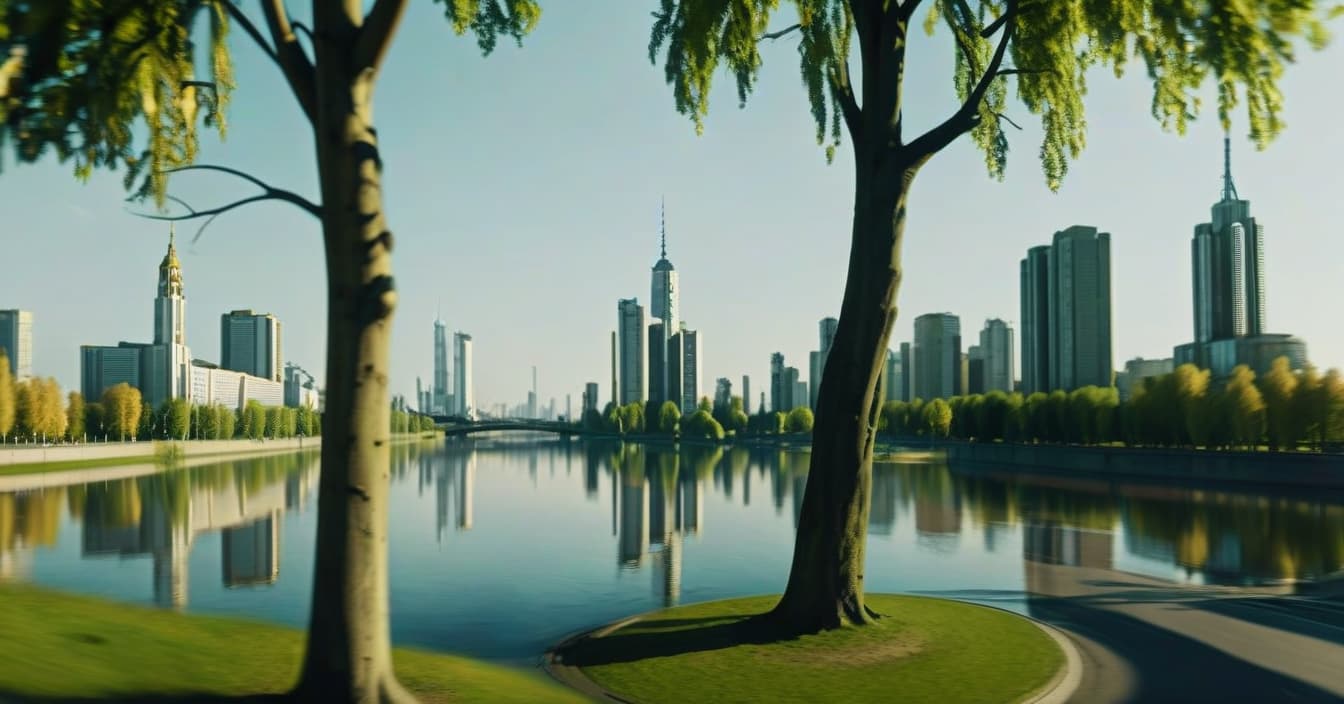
pixel 36 467
pixel 59 647
pixel 923 650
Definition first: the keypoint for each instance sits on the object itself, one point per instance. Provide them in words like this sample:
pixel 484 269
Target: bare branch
pixel 994 26
pixel 780 33
pixel 293 61
pixel 965 118
pixel 376 34
pixel 1007 119
pixel 1022 71
pixel 269 192
pixel 237 14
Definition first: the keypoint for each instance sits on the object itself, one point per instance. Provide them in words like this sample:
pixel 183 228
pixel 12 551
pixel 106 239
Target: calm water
pixel 501 547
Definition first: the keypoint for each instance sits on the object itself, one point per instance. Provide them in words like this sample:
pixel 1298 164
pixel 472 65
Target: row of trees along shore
pixel 709 421
pixel 1281 410
pixel 36 410
pixel 126 86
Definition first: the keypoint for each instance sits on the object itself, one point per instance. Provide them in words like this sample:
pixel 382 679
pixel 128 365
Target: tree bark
pixel 825 588
pixel 348 658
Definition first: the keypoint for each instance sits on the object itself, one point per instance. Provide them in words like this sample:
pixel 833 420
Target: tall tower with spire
pixel 1227 258
pixel 664 306
pixel 170 306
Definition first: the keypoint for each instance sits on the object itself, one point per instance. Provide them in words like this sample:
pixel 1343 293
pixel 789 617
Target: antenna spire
pixel 172 234
pixel 1229 189
pixel 663 227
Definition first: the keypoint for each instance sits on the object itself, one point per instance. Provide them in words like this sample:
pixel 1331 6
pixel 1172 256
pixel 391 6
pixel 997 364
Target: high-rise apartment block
pixel 464 396
pixel 817 360
pixel 439 390
pixel 16 339
pixel 1066 312
pixel 779 395
pixel 632 365
pixel 937 349
pixel 250 343
pixel 997 352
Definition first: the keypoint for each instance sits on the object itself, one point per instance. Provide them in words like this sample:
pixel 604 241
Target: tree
pixel 7 399
pixel 114 85
pixel 938 417
pixel 1332 388
pixel 1244 407
pixel 799 420
pixel 1278 387
pixel 701 424
pixel 27 407
pixel 178 419
pixel 226 423
pixel 1052 45
pixel 148 422
pixel 668 417
pixel 122 408
pixel 254 420
pixel 74 414
pixel 95 418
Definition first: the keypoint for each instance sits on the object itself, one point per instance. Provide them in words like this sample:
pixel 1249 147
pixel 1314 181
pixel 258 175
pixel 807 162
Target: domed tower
pixel 170 307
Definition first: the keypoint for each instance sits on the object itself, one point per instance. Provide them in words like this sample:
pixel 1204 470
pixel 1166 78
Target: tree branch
pixel 269 192
pixel 780 33
pixel 376 34
pixel 236 13
pixel 849 106
pixel 293 62
pixel 965 118
pixel 908 9
pixel 1007 119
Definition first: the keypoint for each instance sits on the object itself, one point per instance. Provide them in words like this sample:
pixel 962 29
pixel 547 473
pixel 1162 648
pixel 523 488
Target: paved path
pixel 1147 640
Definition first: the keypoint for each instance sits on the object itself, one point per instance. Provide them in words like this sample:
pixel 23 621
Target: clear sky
pixel 523 190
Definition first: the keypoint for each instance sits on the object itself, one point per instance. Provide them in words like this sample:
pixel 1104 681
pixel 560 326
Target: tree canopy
pixel 1048 47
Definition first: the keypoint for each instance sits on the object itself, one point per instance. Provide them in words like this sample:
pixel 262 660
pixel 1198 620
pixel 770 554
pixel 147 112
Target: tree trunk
pixel 348 658
pixel 825 588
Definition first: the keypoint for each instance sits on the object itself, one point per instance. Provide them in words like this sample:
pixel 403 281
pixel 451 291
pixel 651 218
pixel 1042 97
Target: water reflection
pixel 499 548
pixel 161 517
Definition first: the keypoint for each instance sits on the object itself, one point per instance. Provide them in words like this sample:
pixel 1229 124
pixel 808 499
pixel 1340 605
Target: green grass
pixel 923 650
pixel 55 646
pixel 34 467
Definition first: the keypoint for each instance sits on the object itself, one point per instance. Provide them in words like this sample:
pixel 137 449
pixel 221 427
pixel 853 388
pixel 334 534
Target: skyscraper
pixel 723 392
pixel 778 398
pixel 665 309
pixel 633 365
pixel 996 349
pixel 975 369
pixel 250 343
pixel 683 368
pixel 439 389
pixel 817 360
pixel 1227 256
pixel 937 356
pixel 1066 312
pixel 463 394
pixel 1035 300
pixel 590 396
pixel 893 383
pixel 16 339
pixel 907 372
pixel 746 394
pixel 659 349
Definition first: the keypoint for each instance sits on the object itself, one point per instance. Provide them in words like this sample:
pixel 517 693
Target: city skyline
pixel 737 253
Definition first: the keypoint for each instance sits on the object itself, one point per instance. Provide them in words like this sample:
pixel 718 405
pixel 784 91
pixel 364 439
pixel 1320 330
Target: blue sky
pixel 523 189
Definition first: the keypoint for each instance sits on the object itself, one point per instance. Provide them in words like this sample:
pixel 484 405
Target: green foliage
pixel 39 409
pixel 253 425
pixel 94 419
pixel 179 418
pixel 668 418
pixel 74 415
pixel 491 19
pixel 701 425
pixel 1278 387
pixel 145 430
pixel 7 396
pixel 938 417
pixel 799 420
pixel 1242 47
pixel 122 409
pixel 226 423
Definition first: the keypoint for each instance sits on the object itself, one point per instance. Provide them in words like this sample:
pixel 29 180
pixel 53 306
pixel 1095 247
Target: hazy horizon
pixel 524 190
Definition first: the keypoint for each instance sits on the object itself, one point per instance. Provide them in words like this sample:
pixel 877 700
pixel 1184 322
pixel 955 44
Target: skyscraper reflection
pixel 454 477
pixel 252 552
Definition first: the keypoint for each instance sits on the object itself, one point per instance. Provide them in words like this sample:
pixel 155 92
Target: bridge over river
pixel 455 427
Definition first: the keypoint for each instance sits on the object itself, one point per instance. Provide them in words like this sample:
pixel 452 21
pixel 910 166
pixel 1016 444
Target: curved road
pixel 1146 640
